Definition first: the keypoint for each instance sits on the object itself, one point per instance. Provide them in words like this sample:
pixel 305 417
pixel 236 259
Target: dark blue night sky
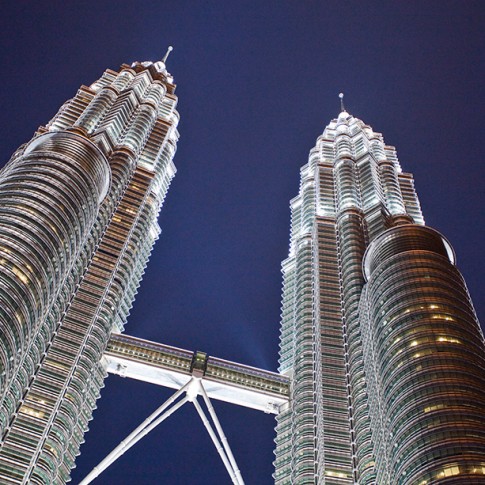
pixel 257 83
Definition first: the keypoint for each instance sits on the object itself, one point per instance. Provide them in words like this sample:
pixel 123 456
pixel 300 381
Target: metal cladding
pixel 78 218
pixel 378 333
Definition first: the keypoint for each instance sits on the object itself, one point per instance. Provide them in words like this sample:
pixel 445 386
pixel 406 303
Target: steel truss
pixel 192 389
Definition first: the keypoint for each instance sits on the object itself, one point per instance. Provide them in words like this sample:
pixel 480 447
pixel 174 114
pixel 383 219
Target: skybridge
pixel 172 367
pixel 191 374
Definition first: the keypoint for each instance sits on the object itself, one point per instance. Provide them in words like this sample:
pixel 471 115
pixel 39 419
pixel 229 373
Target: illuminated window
pixel 449 471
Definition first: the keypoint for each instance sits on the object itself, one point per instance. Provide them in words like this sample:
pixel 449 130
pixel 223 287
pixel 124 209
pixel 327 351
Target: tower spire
pixel 165 57
pixel 342 107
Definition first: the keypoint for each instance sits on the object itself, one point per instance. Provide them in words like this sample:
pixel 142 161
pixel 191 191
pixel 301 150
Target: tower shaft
pixel 85 194
pixel 388 364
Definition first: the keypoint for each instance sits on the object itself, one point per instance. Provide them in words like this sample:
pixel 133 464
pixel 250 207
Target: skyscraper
pixel 379 336
pixel 378 332
pixel 78 218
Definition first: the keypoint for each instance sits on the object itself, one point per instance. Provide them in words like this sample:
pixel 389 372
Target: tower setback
pixel 78 218
pixel 378 333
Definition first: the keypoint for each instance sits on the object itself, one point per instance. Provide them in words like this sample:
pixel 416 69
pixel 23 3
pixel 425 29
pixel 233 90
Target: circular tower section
pixel 49 200
pixel 423 343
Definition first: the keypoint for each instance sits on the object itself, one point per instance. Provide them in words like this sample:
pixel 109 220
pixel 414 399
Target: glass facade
pixel 378 333
pixel 78 218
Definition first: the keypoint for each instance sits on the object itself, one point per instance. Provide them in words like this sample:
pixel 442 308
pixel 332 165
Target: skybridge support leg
pixel 129 441
pixel 222 436
pixel 216 442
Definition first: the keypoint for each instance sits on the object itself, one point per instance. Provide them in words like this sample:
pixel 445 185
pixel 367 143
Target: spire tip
pixel 170 49
pixel 342 107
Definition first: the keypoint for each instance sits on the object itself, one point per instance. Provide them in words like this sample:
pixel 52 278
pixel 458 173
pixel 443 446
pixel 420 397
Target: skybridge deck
pixel 173 367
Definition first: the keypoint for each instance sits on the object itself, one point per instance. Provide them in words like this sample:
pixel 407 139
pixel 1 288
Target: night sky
pixel 257 83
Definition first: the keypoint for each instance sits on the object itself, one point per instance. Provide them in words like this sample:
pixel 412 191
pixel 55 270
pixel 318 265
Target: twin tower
pixel 379 339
